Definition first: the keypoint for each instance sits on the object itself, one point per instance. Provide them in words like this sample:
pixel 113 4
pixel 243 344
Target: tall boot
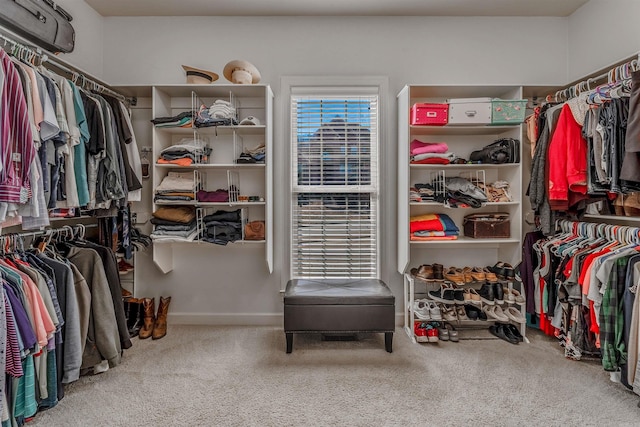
pixel 160 326
pixel 148 308
pixel 135 315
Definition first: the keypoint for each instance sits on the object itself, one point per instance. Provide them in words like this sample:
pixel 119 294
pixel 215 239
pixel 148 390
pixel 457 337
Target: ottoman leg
pixel 289 336
pixel 388 341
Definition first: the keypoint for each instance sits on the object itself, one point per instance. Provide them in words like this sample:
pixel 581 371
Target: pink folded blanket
pixel 419 147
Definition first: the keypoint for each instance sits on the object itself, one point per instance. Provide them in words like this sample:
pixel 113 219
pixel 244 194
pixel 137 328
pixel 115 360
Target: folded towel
pixel 419 147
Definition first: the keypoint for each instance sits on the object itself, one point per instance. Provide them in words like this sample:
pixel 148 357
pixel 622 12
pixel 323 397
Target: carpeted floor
pixel 241 376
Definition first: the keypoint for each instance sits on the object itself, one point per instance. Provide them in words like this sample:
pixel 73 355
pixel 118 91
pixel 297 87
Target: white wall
pixel 407 49
pixel 224 284
pixel 601 33
pixel 88 24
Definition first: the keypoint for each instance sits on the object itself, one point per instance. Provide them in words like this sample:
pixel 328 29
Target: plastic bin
pixel 508 112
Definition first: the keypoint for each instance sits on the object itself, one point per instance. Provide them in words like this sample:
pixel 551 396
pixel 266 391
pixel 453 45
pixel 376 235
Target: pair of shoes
pixel 453 333
pixel 474 274
pixel 428 273
pixel 420 331
pixel 462 314
pixel 471 296
pixel 443 333
pixel 155 325
pixel 474 313
pixel 432 332
pixel 426 310
pixel 503 270
pixel 514 315
pixel 444 295
pixel 494 312
pixel 455 275
pixel 512 296
pixel 505 332
pixel 449 313
pixel 124 267
pixel 490 275
pixel 491 293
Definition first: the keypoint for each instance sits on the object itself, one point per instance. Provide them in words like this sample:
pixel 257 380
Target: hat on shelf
pixel 241 72
pixel 250 120
pixel 197 76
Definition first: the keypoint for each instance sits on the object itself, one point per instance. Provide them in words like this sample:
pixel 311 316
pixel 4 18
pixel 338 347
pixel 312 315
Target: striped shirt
pixel 16 142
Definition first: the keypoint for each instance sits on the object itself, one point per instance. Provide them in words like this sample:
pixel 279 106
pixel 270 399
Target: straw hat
pixel 241 72
pixel 197 76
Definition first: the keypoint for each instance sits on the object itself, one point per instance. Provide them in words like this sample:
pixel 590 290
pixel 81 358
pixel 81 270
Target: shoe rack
pixel 461 140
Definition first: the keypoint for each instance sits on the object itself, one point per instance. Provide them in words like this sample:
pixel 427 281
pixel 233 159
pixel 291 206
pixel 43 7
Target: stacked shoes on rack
pixel 469 293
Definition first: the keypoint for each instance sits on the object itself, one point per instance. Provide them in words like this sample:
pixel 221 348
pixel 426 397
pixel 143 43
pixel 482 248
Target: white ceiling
pixel 336 7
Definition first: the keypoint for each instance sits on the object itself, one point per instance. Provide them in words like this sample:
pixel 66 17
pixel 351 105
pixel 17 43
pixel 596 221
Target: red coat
pixel 567 158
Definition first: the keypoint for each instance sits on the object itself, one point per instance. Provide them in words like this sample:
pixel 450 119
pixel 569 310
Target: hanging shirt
pixel 80 150
pixel 16 141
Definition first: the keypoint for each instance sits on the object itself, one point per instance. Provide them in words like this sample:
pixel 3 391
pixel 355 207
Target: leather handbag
pixel 254 230
pixel 42 22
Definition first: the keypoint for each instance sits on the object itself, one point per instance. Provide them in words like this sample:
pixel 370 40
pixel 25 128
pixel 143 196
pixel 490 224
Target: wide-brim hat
pixel 241 72
pixel 198 76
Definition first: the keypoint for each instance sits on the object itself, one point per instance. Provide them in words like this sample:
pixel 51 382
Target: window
pixel 334 182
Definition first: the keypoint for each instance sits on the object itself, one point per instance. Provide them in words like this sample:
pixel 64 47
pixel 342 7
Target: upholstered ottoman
pixel 338 306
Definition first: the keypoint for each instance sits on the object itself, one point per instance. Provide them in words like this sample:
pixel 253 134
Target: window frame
pixel 333 86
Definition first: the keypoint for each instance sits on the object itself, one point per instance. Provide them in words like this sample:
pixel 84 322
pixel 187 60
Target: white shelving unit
pixel 461 140
pixel 220 169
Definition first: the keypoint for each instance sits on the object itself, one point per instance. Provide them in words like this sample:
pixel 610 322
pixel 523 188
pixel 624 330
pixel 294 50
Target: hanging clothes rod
pixel 71 229
pixel 619 73
pixel 31 52
pixel 621 233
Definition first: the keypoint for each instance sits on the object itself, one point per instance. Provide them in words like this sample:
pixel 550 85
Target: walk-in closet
pixel 264 213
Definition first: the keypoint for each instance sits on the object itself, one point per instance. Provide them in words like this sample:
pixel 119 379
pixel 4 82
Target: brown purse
pixel 254 230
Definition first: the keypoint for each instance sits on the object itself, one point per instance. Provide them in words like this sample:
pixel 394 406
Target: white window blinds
pixel 334 186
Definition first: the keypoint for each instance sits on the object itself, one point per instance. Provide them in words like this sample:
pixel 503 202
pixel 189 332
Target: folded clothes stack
pixel 221 113
pixel 433 227
pixel 222 227
pixel 184 120
pixel 178 187
pixel 430 153
pixel 252 155
pixel 220 195
pixel 185 153
pixel 175 224
pixel 422 193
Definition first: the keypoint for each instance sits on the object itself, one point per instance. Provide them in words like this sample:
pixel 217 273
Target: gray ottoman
pixel 338 306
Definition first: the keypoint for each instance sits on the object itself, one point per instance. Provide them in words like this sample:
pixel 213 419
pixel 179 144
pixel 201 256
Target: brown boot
pixel 148 306
pixel 160 326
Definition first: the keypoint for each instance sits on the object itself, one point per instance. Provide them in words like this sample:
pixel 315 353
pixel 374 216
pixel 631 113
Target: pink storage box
pixel 430 114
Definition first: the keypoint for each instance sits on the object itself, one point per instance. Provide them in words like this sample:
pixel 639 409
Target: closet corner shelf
pixel 462 130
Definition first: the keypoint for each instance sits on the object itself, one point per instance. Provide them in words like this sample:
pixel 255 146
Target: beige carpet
pixel 240 376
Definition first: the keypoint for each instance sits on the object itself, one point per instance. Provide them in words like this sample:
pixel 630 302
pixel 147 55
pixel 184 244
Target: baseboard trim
pixel 238 319
pixel 227 319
